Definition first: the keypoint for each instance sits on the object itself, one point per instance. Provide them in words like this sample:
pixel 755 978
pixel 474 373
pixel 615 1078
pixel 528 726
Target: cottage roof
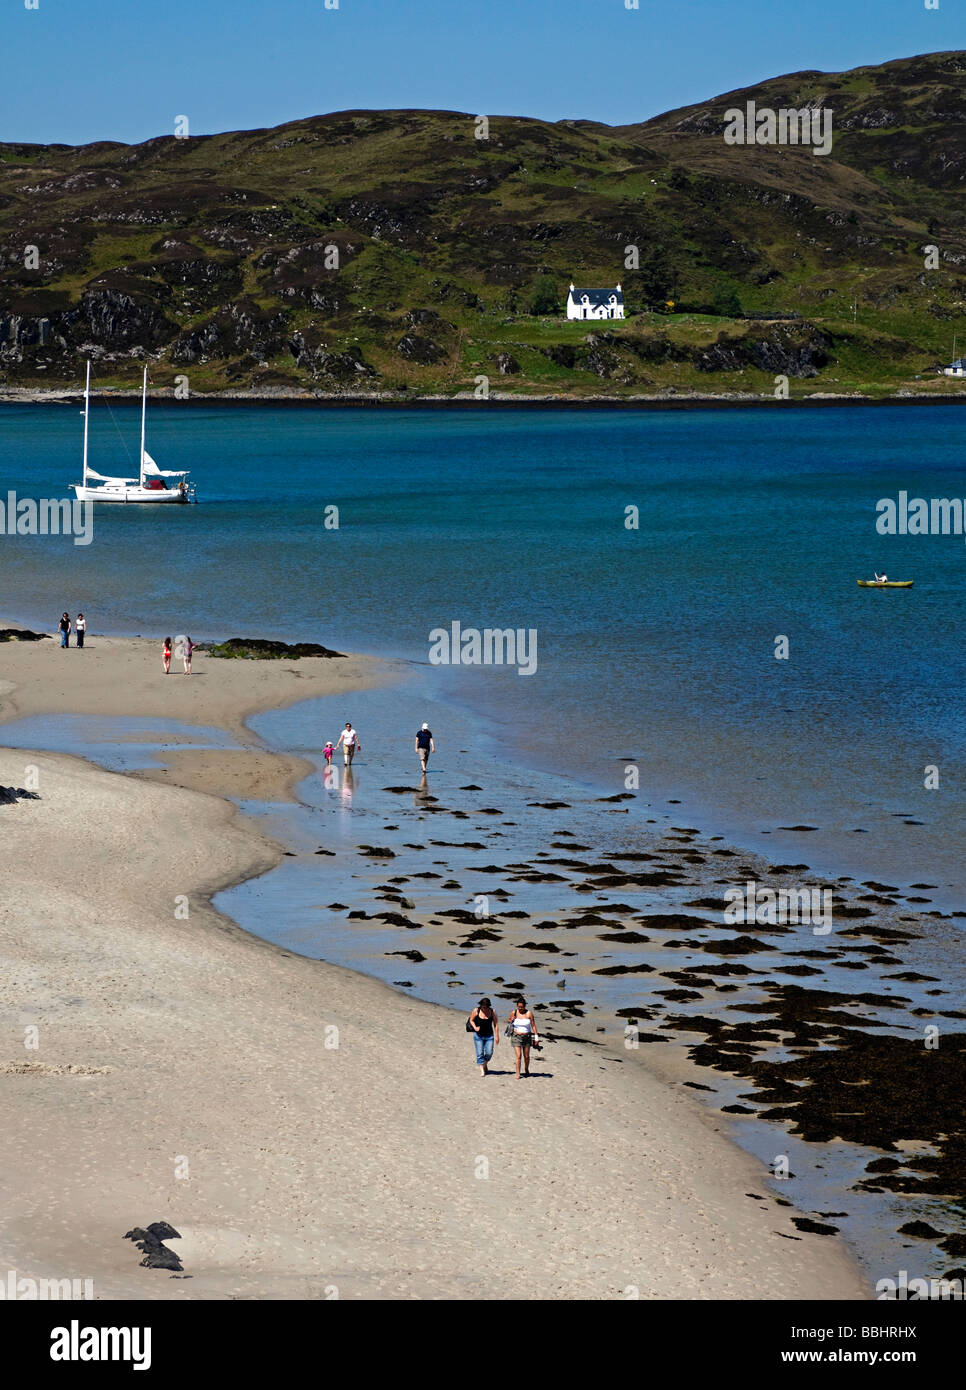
pixel 598 298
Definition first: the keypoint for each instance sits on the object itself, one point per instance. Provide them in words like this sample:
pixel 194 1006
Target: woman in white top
pixel 349 740
pixel 80 627
pixel 523 1032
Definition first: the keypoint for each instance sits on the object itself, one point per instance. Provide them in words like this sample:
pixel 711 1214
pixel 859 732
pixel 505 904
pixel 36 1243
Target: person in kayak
pixel 880 578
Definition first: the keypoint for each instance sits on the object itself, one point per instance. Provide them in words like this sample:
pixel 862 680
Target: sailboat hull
pixel 137 495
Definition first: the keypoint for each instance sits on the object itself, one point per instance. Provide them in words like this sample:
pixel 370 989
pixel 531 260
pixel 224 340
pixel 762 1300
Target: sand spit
pixel 123 676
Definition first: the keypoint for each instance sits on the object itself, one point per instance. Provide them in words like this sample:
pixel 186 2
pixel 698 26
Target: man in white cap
pixel 425 745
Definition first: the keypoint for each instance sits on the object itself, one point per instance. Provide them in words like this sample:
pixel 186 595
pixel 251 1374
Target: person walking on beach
pixel 189 647
pixel 522 1031
pixel 485 1027
pixel 64 626
pixel 349 740
pixel 80 627
pixel 166 655
pixel 327 752
pixel 425 745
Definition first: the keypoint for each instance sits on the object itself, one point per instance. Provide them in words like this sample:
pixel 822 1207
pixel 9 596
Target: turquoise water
pixel 655 646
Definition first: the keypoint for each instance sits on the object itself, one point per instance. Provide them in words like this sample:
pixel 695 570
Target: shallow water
pixel 655 646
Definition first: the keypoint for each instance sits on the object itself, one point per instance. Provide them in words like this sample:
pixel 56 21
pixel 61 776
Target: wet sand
pixel 188 1072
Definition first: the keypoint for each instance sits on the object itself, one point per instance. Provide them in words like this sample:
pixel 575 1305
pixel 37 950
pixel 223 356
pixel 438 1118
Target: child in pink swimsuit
pixel 328 750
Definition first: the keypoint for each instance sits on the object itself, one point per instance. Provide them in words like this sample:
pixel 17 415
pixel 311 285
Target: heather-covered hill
pixel 453 255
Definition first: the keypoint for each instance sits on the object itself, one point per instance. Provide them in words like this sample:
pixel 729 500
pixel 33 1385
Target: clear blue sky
pixel 81 70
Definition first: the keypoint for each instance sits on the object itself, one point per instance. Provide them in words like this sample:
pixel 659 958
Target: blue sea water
pixel 656 653
pixel 656 645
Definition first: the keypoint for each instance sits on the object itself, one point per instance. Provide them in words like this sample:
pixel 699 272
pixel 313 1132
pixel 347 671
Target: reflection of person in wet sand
pixel 349 741
pixel 348 786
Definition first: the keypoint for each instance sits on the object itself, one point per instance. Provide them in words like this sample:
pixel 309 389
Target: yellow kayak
pixel 889 584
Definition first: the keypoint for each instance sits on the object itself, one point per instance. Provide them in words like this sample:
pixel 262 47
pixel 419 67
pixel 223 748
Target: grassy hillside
pixel 214 254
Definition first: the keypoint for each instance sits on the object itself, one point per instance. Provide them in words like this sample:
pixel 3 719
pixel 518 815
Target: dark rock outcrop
pixel 788 351
pixel 261 649
pixel 346 366
pixel 418 349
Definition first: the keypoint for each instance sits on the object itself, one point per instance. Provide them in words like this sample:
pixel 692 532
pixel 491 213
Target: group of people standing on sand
pixel 78 627
pixel 186 647
pixel 520 1032
pixel 350 745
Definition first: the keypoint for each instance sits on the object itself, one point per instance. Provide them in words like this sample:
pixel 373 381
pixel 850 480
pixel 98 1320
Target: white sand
pixel 314 1168
pixel 124 676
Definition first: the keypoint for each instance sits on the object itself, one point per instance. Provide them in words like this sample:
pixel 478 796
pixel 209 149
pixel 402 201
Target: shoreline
pixel 735 1247
pixel 277 396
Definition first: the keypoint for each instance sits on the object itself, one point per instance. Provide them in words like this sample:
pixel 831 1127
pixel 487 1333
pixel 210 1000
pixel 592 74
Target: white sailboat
pixel 151 483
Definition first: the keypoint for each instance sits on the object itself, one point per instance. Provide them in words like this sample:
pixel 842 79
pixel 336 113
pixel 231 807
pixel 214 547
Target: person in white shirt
pixel 349 740
pixel 80 627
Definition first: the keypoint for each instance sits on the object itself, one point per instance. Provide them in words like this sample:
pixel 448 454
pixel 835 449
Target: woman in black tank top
pixel 484 1026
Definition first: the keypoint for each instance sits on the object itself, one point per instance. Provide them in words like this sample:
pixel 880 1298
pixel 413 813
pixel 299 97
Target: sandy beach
pixel 310 1132
pixel 120 676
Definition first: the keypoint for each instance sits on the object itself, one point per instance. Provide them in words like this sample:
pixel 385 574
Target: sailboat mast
pixel 144 411
pixel 87 409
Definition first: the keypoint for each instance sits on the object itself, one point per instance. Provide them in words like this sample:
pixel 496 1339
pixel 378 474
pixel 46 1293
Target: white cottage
pixel 595 304
pixel 957 368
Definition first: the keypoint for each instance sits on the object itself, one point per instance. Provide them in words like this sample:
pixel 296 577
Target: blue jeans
pixel 64 638
pixel 484 1048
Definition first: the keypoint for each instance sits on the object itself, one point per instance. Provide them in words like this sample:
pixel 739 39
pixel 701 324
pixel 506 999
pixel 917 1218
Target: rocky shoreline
pixel 662 400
